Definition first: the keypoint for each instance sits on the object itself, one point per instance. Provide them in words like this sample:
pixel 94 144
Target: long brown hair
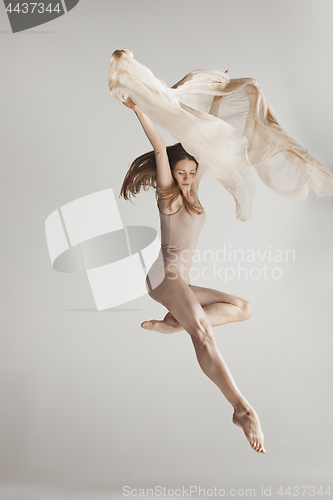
pixel 142 175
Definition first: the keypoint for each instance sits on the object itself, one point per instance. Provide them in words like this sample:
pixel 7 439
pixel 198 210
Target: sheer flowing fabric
pixel 228 126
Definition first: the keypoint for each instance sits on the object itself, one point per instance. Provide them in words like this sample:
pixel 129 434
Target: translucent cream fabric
pixel 228 126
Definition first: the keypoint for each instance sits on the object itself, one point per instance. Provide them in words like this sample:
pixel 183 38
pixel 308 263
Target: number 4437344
pixel 303 491
pixel 31 7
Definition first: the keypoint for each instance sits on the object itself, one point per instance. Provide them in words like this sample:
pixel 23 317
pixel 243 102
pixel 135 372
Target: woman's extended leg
pixel 184 306
pixel 220 308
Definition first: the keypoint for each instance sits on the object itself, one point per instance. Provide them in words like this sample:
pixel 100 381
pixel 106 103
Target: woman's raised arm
pixel 163 171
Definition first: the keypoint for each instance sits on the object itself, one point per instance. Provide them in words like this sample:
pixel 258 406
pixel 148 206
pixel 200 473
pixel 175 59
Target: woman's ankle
pixel 242 407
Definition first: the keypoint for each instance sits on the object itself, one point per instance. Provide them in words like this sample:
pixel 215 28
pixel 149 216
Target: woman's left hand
pixel 130 104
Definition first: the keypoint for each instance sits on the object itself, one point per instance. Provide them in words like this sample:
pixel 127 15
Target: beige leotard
pixel 180 233
pixel 179 237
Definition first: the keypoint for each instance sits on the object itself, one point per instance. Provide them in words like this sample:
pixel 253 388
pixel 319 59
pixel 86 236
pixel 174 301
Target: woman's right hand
pixel 130 104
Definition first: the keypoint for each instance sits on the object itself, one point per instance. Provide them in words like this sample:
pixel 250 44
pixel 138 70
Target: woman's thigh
pixel 207 296
pixel 176 295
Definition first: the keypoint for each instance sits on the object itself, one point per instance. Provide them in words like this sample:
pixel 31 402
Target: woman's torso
pixel 180 233
pixel 164 209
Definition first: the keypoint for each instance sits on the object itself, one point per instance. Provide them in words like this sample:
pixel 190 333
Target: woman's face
pixel 184 172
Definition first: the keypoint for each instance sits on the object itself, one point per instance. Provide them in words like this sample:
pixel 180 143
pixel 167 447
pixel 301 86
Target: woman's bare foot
pixel 168 325
pixel 248 420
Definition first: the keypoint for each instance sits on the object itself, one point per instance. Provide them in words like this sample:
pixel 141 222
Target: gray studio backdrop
pixel 91 402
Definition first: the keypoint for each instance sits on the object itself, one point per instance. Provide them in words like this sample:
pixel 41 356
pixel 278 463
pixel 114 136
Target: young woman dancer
pixel 176 175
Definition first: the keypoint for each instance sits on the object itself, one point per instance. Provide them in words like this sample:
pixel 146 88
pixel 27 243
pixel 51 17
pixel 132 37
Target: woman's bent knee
pixel 246 310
